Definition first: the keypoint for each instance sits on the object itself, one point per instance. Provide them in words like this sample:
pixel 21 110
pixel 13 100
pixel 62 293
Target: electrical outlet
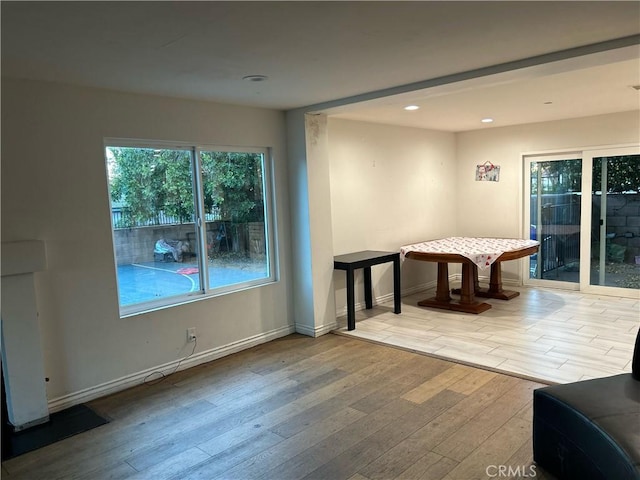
pixel 191 334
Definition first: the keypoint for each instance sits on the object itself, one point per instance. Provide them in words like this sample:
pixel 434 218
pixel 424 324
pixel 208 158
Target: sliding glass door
pixel 584 209
pixel 553 198
pixel 614 223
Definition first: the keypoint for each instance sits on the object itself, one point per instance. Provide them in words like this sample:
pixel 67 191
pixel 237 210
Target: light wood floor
pixel 547 335
pixel 303 408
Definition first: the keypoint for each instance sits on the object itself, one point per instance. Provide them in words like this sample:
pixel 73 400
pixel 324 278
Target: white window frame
pixel 205 291
pixel 528 159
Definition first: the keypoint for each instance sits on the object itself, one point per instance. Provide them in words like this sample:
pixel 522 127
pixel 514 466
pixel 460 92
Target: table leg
pixel 442 299
pixel 396 285
pixel 467 289
pixel 495 286
pixel 442 288
pixel 351 305
pixel 495 280
pixel 476 283
pixel 368 300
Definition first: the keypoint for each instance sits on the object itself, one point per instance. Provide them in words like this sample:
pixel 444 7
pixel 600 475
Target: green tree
pixel 623 174
pixel 148 182
pixel 233 185
pixel 557 177
pixel 177 188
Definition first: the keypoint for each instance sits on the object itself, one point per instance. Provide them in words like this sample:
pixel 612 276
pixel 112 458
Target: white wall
pixel 495 208
pixel 54 189
pixel 390 186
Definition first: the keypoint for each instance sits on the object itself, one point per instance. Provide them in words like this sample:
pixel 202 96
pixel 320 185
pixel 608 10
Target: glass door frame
pixel 528 159
pixel 585 240
pixel 586 154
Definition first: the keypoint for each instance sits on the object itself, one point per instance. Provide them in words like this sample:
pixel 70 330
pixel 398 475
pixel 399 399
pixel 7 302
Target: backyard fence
pixel 120 218
pixel 558 229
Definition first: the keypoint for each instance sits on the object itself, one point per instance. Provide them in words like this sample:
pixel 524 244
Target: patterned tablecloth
pixel 481 251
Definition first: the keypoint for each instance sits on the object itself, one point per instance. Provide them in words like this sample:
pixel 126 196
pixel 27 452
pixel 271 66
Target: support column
pixel 312 238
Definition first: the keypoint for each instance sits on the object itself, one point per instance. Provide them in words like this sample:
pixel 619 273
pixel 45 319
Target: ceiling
pixel 582 92
pixel 317 52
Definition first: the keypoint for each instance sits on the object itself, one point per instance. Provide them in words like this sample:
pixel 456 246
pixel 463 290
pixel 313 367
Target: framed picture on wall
pixel 487 172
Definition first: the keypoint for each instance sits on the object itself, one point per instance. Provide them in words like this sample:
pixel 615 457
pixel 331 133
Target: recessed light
pixel 255 78
pixel 411 107
pixel 487 120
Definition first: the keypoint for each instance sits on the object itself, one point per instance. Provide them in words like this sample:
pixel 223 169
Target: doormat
pixel 61 425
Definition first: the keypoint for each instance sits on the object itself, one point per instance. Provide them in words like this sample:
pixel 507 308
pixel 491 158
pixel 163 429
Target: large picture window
pixel 188 222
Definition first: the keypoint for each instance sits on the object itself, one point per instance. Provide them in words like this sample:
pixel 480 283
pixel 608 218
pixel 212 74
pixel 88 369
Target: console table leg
pixel 351 305
pixel 396 285
pixel 350 262
pixel 368 300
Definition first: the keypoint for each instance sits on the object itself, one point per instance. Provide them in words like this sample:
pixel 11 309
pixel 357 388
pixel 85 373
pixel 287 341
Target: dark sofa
pixel 590 429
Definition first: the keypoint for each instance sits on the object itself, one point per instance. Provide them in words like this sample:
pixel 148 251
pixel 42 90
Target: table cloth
pixel 480 250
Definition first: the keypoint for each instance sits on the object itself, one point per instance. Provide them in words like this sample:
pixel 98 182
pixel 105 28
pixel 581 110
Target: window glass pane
pixel 163 217
pixel 555 188
pixel 615 223
pixel 152 209
pixel 233 186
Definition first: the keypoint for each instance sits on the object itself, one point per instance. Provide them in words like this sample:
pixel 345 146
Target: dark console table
pixel 366 259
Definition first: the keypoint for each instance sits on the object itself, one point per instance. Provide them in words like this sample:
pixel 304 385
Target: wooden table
pixel 366 259
pixel 470 252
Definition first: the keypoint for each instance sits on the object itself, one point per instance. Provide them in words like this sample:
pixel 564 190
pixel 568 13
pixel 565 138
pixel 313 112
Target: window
pixel 188 222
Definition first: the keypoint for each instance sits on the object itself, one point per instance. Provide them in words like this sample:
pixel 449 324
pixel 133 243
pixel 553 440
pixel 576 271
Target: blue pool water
pixel 143 282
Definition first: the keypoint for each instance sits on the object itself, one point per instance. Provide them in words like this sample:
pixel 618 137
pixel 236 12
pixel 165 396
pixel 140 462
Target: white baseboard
pixel 134 379
pixel 317 331
pixel 484 279
pixel 389 297
pixel 416 289
pixel 454 277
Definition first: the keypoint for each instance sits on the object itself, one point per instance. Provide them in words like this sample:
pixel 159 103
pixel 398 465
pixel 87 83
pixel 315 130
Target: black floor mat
pixel 63 424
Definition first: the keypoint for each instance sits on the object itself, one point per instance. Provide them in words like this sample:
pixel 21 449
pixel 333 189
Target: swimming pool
pixel 147 281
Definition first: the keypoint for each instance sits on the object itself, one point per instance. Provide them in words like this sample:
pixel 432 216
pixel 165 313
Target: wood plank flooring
pixel 302 408
pixel 546 335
